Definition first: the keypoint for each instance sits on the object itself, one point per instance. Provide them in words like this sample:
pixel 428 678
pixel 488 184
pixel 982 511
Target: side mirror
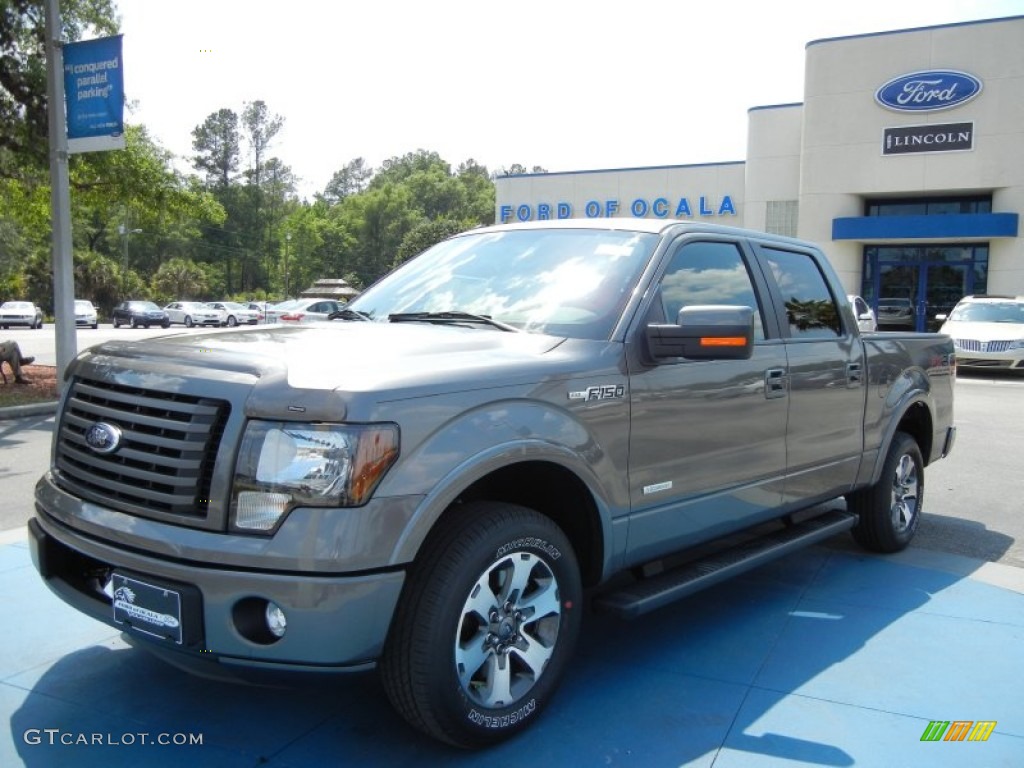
pixel 704 333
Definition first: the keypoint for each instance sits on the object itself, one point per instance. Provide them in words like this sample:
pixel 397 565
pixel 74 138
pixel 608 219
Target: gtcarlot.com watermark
pixel 60 737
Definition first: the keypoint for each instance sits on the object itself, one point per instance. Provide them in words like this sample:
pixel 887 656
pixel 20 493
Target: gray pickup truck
pixel 430 481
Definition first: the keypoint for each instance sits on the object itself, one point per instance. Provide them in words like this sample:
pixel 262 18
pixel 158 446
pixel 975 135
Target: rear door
pixel 827 376
pixel 707 448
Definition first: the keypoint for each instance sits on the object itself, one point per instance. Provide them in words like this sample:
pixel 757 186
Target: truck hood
pixel 389 360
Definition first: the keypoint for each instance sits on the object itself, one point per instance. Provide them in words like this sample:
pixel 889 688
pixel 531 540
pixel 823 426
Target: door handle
pixel 775 383
pixel 854 375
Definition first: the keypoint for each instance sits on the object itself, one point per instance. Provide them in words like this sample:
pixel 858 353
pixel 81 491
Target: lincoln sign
pixel 910 139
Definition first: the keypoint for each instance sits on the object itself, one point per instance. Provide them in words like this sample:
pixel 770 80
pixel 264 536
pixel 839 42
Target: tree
pixel 260 129
pixel 424 235
pixel 396 169
pixel 179 279
pixel 23 101
pixel 216 144
pixel 518 170
pixel 351 179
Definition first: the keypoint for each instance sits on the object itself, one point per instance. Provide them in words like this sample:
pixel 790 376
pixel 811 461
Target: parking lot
pixel 829 657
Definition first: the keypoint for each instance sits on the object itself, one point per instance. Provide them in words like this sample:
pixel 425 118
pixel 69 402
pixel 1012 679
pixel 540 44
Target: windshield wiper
pixel 450 317
pixel 349 314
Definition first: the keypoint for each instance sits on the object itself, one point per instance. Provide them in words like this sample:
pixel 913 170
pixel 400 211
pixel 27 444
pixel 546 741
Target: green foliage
pixel 426 234
pixel 179 279
pixel 23 101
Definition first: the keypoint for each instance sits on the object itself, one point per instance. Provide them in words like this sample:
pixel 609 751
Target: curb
pixel 34 409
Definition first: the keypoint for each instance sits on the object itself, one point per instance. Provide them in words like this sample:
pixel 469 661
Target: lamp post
pixel 287 240
pixel 125 234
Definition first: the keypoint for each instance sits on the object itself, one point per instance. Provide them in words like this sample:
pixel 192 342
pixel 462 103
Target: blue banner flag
pixel 94 94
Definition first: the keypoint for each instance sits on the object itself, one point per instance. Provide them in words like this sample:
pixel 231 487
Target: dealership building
pixel 904 162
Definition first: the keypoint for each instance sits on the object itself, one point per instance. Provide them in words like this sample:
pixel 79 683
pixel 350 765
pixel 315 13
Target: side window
pixel 810 307
pixel 708 273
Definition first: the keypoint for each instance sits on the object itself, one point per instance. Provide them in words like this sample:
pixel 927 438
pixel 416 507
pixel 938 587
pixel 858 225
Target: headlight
pixel 283 465
pixel 1018 344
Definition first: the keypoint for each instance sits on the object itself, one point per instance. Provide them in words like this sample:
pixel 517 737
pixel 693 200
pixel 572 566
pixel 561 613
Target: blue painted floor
pixel 827 658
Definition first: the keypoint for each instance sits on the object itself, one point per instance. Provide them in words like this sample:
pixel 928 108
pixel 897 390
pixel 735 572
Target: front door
pixel 707 447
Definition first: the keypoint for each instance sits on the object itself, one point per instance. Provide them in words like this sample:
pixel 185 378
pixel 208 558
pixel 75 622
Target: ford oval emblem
pixel 102 437
pixel 928 91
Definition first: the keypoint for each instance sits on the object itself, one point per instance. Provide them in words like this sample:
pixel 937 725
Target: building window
pixel 781 218
pixel 928 206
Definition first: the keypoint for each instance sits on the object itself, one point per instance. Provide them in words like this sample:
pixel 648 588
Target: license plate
pixel 147 608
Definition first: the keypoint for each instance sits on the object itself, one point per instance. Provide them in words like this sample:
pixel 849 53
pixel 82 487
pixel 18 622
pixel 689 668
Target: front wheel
pixel 890 510
pixel 232 321
pixel 188 321
pixel 485 626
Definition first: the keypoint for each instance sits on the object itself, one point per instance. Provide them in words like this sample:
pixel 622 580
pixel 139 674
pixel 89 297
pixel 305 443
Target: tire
pixel 485 626
pixel 232 321
pixel 165 324
pixel 135 324
pixel 117 323
pixel 188 321
pixel 890 510
pixel 95 326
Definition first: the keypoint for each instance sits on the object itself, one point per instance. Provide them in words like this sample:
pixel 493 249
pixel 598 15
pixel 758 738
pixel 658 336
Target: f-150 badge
pixel 602 392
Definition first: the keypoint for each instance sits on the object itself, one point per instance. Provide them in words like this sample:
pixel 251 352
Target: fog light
pixel 276 621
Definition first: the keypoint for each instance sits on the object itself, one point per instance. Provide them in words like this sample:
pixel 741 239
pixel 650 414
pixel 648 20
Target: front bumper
pixel 1010 360
pixel 336 623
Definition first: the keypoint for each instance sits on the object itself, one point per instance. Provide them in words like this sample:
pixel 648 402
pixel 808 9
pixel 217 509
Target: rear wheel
pixel 890 510
pixel 485 626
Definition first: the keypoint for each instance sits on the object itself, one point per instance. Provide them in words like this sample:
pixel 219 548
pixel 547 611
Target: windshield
pixel 989 312
pixel 566 282
pixel 146 305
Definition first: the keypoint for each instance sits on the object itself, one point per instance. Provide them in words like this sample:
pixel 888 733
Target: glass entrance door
pixel 909 285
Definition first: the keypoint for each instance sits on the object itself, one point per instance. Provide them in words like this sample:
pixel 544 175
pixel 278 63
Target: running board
pixel 647 594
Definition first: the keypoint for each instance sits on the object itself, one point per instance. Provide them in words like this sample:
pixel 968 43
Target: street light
pixel 287 239
pixel 125 234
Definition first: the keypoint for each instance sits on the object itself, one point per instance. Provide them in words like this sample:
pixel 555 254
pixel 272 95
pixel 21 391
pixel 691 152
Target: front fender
pixel 494 436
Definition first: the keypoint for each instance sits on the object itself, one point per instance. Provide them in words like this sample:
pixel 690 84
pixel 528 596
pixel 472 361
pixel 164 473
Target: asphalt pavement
pixel 830 657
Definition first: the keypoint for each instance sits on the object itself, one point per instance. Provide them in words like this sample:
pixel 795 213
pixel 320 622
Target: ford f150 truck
pixel 429 481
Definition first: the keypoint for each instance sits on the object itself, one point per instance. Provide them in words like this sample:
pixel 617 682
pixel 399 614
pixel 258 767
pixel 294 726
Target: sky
pixel 563 84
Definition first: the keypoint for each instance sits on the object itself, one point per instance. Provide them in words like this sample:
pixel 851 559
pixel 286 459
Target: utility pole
pixel 60 197
pixel 287 240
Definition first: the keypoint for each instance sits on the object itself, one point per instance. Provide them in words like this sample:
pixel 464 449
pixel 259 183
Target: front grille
pixel 165 460
pixel 973 345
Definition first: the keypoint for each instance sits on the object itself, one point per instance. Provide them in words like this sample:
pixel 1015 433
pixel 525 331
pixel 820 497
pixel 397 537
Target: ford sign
pixel 928 91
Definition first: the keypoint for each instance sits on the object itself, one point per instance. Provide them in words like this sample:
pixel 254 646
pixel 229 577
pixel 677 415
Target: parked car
pixel 896 312
pixel 303 310
pixel 191 313
pixel 865 315
pixel 987 331
pixel 20 313
pixel 234 313
pixel 260 308
pixel 136 313
pixel 85 314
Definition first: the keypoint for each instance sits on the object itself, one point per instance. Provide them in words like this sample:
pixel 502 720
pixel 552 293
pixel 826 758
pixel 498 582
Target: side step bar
pixel 647 594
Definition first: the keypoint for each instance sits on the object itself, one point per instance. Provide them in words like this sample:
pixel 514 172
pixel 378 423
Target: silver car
pixel 987 331
pixel 20 313
pixel 190 313
pixel 233 313
pixel 85 314
pixel 303 310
